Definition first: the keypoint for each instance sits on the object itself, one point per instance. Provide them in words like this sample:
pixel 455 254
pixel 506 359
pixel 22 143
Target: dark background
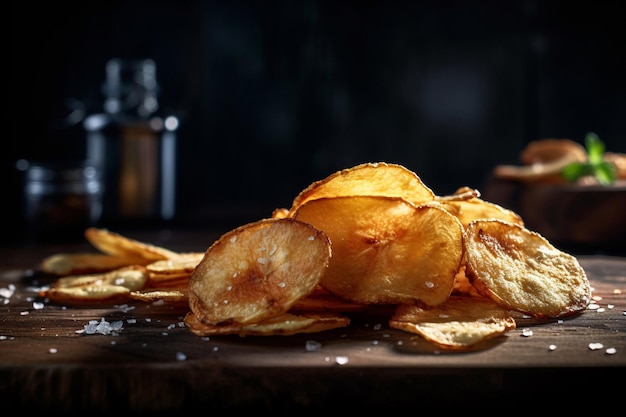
pixel 273 95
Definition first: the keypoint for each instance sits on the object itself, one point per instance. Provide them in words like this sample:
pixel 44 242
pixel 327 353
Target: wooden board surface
pixel 154 363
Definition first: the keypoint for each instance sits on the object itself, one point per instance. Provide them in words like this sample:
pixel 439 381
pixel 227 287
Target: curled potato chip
pixel 471 207
pixel 118 245
pixel 459 323
pixel 285 324
pixel 521 270
pixel 85 263
pixel 387 250
pixel 543 161
pixel 258 271
pixel 97 288
pixel 369 179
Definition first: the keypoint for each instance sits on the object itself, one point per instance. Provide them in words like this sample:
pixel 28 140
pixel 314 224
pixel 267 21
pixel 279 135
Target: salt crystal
pixel 595 346
pixel 429 284
pixel 180 356
pixel 341 360
pixel 611 351
pixel 312 345
pixel 38 305
pixel 551 348
pixel 52 350
pixel 527 332
pixel 377 326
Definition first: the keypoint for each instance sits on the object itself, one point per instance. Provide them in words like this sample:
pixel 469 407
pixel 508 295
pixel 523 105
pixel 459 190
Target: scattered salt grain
pixel 312 346
pixel 103 326
pixel 552 348
pixel 611 351
pixel 52 350
pixel 595 346
pixel 341 360
pixel 377 326
pixel 24 313
pixel 131 321
pixel 527 332
pixel 37 305
pixel 180 356
pixel 429 284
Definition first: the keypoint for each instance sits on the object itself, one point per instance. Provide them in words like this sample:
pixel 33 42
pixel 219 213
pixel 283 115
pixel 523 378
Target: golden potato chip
pixel 520 270
pixel 173 270
pixel 97 288
pixel 473 208
pixel 115 244
pixel 85 263
pixel 258 271
pixel 369 179
pixel 543 161
pixel 387 250
pixel 328 303
pixel 285 324
pixel 459 323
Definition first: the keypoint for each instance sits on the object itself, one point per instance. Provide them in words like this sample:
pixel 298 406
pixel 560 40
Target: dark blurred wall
pixel 276 94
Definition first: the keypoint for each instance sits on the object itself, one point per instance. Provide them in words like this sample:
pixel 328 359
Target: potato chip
pixel 473 208
pixel 387 250
pixel 459 323
pixel 97 288
pixel 118 245
pixel 86 263
pixel 285 324
pixel 369 179
pixel 520 270
pixel 543 161
pixel 258 271
pixel 173 270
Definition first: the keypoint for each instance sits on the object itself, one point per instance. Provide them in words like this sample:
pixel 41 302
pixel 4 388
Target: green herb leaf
pixel 603 171
pixel 595 148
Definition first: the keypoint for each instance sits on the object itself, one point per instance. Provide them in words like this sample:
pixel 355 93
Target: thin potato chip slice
pixel 116 244
pixel 258 271
pixel 286 324
pixel 474 208
pixel 86 263
pixel 97 288
pixel 520 270
pixel 387 250
pixel 369 179
pixel 459 323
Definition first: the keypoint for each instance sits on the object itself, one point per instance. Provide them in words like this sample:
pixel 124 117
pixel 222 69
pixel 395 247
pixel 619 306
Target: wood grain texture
pixel 155 365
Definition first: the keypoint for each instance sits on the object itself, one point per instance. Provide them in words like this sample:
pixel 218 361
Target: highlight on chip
pixel 387 250
pixel 459 323
pixel 258 271
pixel 521 270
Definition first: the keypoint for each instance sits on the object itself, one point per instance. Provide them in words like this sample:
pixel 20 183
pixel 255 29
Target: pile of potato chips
pixel 453 268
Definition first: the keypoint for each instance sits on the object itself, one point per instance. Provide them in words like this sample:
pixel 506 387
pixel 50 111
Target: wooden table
pixel 156 365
